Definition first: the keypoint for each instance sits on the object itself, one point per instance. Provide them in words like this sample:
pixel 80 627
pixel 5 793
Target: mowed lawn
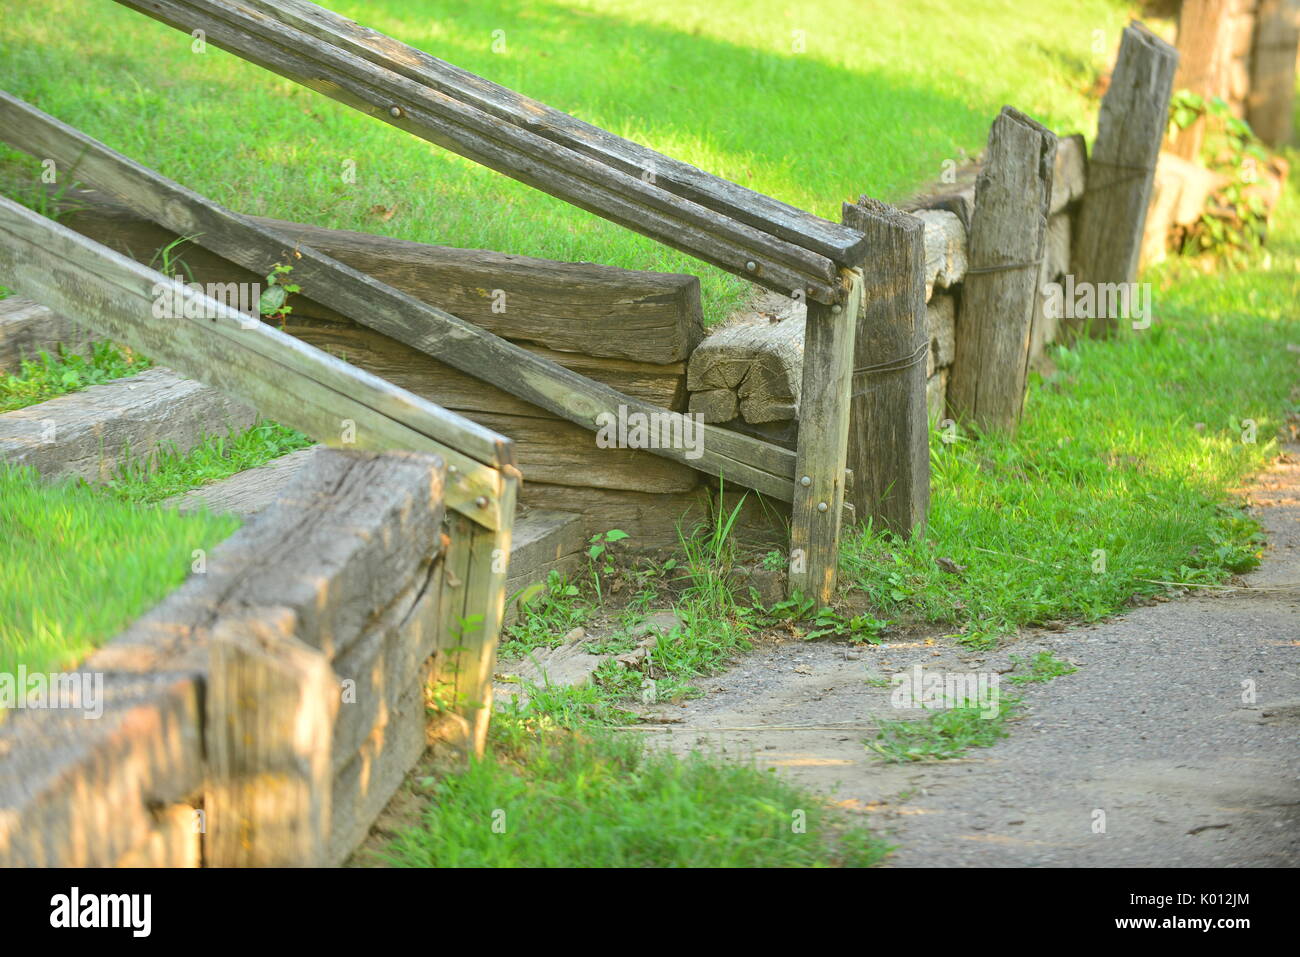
pixel 812 103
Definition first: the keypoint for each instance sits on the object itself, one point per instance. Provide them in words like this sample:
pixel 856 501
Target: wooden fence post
pixel 1005 250
pixel 1130 129
pixel 472 609
pixel 823 443
pixel 889 442
pixel 269 705
pixel 1269 107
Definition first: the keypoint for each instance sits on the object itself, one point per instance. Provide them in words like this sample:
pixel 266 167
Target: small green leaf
pixel 271 300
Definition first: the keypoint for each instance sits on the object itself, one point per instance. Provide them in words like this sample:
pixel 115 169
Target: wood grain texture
pixel 245 493
pixel 543 540
pixel 825 410
pixel 941 327
pixel 81 793
pixel 888 441
pixel 340 543
pixel 275 373
pixel 547 448
pixel 653 522
pixel 945 249
pixel 269 707
pixel 1056 264
pixel 364 786
pixel 330 599
pixel 772 216
pixel 956 193
pixel 1130 128
pixel 759 360
pixel 1007 244
pixel 472 610
pixel 1204 59
pixel 758 355
pixel 716 405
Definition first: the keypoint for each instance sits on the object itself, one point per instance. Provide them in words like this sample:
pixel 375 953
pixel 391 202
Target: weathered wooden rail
pixel 286 379
pixel 773 244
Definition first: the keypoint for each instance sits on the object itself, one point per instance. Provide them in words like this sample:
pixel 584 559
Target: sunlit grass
pixel 167 472
pixel 76 566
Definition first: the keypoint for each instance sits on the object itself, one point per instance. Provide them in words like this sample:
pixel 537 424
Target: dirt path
pixel 1152 731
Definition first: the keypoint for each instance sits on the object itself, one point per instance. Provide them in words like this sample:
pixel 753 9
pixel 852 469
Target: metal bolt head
pixel 821 506
pixel 805 481
pixel 395 110
pixel 836 309
pixel 751 266
pixel 481 501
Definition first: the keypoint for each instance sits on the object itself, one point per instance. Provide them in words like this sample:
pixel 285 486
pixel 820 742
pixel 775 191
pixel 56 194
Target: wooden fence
pixel 766 241
pixel 977 253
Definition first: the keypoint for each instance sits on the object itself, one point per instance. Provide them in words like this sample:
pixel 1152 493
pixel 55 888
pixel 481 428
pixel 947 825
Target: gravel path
pixel 1146 756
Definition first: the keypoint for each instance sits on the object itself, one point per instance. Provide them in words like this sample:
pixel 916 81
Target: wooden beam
pixel 889 436
pixel 823 444
pixel 27 329
pixel 1130 129
pixel 575 310
pixel 1005 250
pixel 582 308
pixel 272 35
pixel 283 378
pixel 478 603
pixel 762 212
pixel 738 458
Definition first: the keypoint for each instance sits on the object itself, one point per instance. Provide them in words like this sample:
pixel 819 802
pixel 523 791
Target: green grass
pixel 545 797
pixel 167 472
pixel 78 562
pixel 1042 667
pixel 546 615
pixel 882 95
pixel 75 566
pixel 57 374
pixel 944 733
pixel 1118 480
pixel 715 624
